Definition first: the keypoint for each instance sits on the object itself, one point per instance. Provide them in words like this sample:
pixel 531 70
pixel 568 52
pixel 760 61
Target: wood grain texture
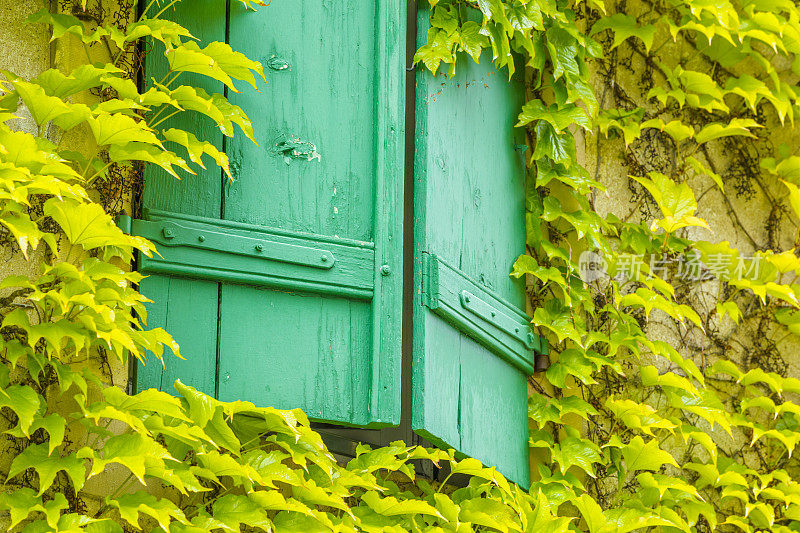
pixel 178 308
pixel 200 194
pixel 389 147
pixel 326 97
pixel 469 211
pixel 196 329
pixel 290 350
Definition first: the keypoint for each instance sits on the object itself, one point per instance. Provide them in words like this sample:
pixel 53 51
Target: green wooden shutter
pixel 283 287
pixel 473 346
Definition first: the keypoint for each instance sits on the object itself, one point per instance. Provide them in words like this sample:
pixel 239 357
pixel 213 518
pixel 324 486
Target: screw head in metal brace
pixel 466 298
pixel 324 258
pixel 259 248
pixel 201 238
pixel 385 270
pixel 168 233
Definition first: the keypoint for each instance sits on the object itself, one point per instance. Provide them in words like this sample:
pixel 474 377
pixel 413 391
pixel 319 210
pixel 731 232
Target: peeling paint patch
pixel 277 63
pixel 295 148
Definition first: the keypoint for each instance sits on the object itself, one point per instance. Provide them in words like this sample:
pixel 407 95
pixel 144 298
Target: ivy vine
pixel 670 403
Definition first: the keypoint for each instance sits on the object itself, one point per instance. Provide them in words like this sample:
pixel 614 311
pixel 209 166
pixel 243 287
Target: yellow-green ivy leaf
pixel 36 456
pixel 43 108
pixel 235 510
pixel 119 130
pixel 560 117
pixel 674 128
pixel 196 148
pixel 576 451
pixel 389 506
pixel 149 154
pixel 162 510
pixel 24 401
pixel 67 24
pixel 641 455
pixel 89 226
pixel 794 197
pixel 737 126
pixel 788 168
pixel 489 513
pixel 624 27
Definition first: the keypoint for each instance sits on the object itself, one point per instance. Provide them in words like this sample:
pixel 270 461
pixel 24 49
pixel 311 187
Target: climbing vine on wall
pixel 672 346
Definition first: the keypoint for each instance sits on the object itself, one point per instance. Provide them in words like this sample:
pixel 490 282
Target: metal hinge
pixel 430 281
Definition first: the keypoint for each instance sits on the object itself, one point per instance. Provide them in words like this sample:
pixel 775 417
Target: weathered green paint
pixel 326 180
pixel 469 212
pixel 187 308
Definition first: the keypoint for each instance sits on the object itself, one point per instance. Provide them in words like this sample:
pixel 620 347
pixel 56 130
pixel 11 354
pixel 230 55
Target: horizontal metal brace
pixel 479 313
pixel 222 250
pixel 171 233
pixel 497 318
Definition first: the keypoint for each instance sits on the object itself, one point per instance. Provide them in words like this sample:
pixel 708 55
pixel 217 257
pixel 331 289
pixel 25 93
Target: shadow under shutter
pixel 291 274
pixel 473 346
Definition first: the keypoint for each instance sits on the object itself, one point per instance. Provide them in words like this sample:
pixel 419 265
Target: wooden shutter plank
pixel 336 81
pixel 245 253
pixel 324 97
pixel 469 212
pixel 389 146
pixel 500 437
pixel 187 308
pixel 200 194
pixel 296 350
pixel 436 382
pixel 462 392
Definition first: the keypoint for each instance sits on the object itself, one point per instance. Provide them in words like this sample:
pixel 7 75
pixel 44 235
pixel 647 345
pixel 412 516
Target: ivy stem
pixel 113 495
pixel 161 81
pixel 122 485
pixel 87 51
pixel 441 486
pixel 165 118
pixel 96 175
pixel 166 7
pixel 173 79
pixel 157 113
pixel 146 9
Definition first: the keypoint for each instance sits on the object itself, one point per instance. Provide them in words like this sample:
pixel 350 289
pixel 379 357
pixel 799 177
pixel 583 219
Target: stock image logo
pixel 593 266
pixel 688 267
